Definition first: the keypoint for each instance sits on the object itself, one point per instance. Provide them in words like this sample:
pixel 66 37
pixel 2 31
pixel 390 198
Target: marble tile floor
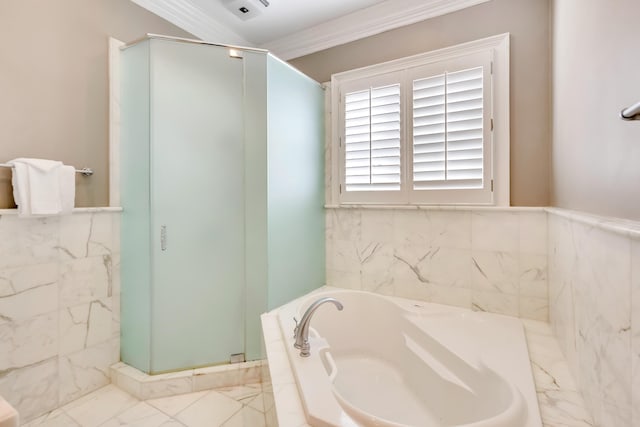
pixel 111 407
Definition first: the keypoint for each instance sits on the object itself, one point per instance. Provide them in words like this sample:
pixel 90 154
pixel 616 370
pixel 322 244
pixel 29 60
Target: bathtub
pixel 394 362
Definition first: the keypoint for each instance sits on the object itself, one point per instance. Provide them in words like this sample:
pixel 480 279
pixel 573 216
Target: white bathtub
pixel 394 362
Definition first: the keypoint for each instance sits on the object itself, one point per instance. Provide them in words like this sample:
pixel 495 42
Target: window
pixel 372 139
pixel 448 130
pixel 421 130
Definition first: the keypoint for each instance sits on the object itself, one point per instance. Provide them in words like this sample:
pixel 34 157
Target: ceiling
pixel 293 28
pixel 281 17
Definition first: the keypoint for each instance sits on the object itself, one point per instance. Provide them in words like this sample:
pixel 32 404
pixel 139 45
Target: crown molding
pixel 186 15
pixel 363 23
pixel 372 20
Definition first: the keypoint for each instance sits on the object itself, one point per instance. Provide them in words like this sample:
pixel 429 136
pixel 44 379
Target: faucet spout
pixel 301 332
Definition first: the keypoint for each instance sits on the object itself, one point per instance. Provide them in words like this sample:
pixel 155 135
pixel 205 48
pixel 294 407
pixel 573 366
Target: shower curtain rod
pixel 83 171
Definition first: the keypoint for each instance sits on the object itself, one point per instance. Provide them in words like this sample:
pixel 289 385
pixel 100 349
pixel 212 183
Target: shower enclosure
pixel 222 189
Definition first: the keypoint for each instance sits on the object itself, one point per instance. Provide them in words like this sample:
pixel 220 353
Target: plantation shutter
pixel 372 139
pixel 448 131
pixel 420 132
pixel 429 131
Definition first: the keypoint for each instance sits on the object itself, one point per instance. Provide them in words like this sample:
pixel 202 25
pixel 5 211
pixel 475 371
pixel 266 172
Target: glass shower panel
pixel 134 194
pixel 197 201
pixel 295 105
pixel 255 172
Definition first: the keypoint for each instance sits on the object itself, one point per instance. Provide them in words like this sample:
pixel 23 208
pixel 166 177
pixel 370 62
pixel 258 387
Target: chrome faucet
pixel 301 332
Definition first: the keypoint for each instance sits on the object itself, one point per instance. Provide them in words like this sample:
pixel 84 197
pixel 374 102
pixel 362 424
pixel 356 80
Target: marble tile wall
pixel 486 259
pixel 59 307
pixel 594 294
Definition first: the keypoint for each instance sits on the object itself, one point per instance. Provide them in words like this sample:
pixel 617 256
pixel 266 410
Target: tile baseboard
pixel 144 386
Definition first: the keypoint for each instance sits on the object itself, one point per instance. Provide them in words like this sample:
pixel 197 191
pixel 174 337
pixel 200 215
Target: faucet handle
pixel 295 330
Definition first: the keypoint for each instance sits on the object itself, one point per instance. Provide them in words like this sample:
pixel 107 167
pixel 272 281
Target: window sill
pixel 440 207
pixel 75 211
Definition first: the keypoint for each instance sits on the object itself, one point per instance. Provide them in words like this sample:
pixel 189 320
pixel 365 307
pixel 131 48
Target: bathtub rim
pixel 293 308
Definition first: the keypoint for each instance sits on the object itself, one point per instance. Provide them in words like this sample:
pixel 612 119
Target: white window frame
pixel 498 159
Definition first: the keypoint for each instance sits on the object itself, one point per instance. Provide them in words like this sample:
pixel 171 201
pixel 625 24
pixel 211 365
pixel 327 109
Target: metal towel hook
pixel 631 113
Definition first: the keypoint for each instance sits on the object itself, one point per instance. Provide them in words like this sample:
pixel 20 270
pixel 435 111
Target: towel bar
pixel 83 171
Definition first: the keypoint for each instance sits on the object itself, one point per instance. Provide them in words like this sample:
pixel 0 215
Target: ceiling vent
pixel 246 9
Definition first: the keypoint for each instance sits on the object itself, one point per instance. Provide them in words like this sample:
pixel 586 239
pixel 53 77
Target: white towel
pixel 43 187
pixel 67 180
pixel 20 182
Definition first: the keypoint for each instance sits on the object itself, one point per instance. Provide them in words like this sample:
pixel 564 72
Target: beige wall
pixel 54 83
pixel 528 23
pixel 596 73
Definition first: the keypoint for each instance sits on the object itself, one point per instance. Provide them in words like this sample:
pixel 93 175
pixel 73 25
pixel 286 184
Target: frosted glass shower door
pixel 197 204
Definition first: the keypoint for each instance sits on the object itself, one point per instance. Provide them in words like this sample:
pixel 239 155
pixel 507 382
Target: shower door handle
pixel 163 237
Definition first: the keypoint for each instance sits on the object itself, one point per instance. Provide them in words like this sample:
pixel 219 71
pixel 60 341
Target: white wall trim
pixel 441 208
pixel 624 227
pixel 75 211
pixel 114 121
pixel 186 15
pixel 360 24
pixel 443 54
